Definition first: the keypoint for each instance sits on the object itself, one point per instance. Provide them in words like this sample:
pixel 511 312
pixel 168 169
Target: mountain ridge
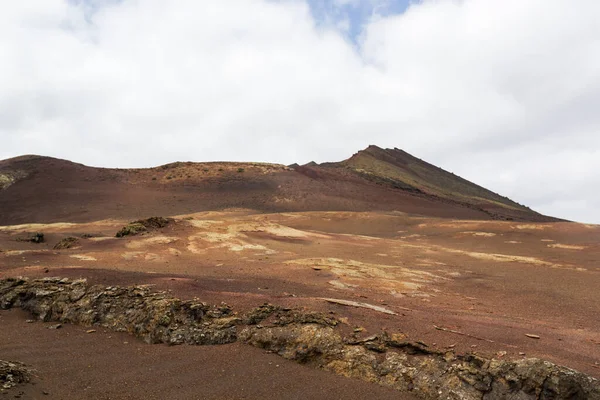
pixel 45 189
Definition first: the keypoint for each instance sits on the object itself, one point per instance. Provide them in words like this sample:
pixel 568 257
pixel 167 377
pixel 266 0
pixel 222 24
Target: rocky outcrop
pixel 13 374
pixel 154 317
pixel 36 237
pixel 66 243
pixel 306 337
pixel 412 367
pixel 143 225
pixel 9 177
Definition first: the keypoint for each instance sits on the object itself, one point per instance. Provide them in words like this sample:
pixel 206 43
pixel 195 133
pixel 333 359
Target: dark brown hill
pixel 44 189
pixel 399 169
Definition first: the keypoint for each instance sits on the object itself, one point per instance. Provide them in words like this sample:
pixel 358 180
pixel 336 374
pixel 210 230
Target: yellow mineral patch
pixel 83 257
pixel 204 223
pixel 233 237
pixel 352 272
pixel 359 237
pixel 242 247
pixel 506 258
pixel 341 285
pixel 37 227
pixel 174 251
pixel 6 181
pixel 102 239
pixel 131 255
pixel 21 252
pixel 532 226
pixel 565 246
pixel 475 233
pixel 414 235
pixel 453 224
pixel 138 244
pixel 214 240
pixel 275 230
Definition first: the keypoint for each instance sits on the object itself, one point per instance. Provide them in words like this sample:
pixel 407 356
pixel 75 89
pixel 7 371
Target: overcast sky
pixel 505 93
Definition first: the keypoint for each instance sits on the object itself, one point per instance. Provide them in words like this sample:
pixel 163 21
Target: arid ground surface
pixel 427 254
pixel 493 282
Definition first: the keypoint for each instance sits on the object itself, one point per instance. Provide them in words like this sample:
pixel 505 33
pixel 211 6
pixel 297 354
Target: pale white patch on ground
pixel 513 242
pixel 275 229
pixel 229 241
pixel 83 257
pixel 21 252
pixel 591 226
pixel 507 258
pixel 414 235
pixel 279 199
pixel 341 285
pixel 234 236
pixel 204 223
pixel 37 227
pixel 174 252
pixel 565 246
pixel 454 274
pixel 361 305
pixel 532 226
pixel 242 247
pixel 454 224
pixel 475 233
pixel 102 239
pixel 387 277
pixel 131 255
pixel 140 243
pixel 359 237
pixel 292 215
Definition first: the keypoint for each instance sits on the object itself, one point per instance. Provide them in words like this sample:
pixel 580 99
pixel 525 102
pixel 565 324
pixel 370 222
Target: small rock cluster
pixel 306 337
pixel 66 243
pixel 143 225
pixel 13 374
pixel 36 237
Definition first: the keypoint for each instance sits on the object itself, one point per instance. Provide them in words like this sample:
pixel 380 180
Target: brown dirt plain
pixel 496 281
pixel 441 253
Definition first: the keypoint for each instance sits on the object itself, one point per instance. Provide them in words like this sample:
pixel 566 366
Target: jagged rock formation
pixel 305 337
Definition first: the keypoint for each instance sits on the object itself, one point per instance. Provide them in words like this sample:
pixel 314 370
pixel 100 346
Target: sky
pixel 504 93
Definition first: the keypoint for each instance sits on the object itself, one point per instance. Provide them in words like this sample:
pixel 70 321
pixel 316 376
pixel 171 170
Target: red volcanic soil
pixel 461 267
pixel 109 365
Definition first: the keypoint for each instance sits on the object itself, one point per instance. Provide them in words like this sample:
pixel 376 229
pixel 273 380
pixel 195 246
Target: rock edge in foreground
pixel 306 337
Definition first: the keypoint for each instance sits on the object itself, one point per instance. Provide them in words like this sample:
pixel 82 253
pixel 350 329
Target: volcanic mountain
pixel 44 189
pixel 381 267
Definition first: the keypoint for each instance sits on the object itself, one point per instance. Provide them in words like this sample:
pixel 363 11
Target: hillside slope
pixel 44 189
pixel 399 169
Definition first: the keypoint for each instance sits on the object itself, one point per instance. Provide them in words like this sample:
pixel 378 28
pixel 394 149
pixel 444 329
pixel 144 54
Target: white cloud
pixel 503 93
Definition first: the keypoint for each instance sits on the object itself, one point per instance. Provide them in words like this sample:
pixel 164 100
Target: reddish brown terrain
pixel 426 253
